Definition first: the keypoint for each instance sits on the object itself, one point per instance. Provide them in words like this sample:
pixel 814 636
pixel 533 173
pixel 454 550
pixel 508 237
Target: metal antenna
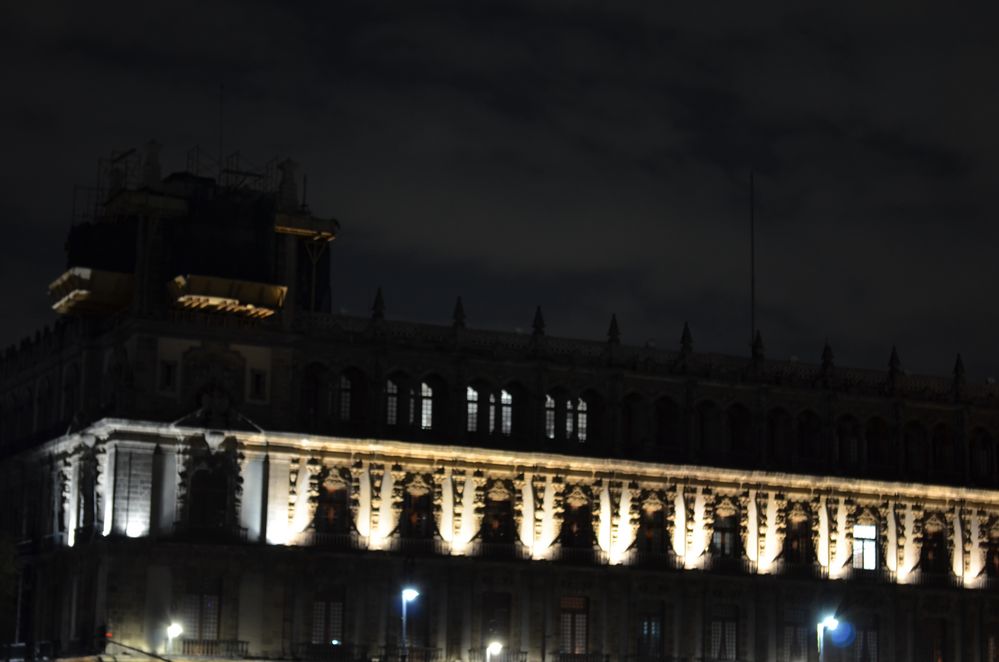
pixel 221 100
pixel 752 259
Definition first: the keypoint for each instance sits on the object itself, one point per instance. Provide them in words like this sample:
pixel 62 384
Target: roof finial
pixel 758 349
pixel 613 333
pixel 458 317
pixel 378 307
pixel 539 322
pixel 959 376
pixel 827 357
pixel 686 341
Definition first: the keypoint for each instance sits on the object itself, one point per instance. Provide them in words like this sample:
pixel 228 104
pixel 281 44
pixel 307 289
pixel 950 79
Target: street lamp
pixel 174 630
pixel 494 648
pixel 408 595
pixel 828 623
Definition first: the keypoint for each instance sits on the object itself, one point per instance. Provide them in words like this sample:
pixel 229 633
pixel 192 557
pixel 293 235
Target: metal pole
pixel 405 643
pixel 752 260
pixel 820 632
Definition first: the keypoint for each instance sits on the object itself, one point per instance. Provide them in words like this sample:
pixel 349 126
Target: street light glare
pixel 495 648
pixel 830 623
pixel 174 630
pixel 409 594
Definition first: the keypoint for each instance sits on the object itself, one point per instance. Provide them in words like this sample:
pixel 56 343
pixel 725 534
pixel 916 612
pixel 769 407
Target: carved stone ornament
pixel 418 486
pixel 726 508
pixel 334 482
pixel 866 517
pixel 797 514
pixel 498 491
pixel 653 503
pixel 577 498
pixel 934 524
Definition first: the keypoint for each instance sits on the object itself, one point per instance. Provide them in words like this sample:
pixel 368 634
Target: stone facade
pixel 270 475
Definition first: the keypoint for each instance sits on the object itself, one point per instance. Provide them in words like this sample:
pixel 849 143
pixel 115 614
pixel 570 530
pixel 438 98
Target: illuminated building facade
pixel 200 442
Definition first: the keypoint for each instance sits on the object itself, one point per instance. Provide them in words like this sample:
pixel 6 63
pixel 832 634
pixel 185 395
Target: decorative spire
pixel 894 363
pixel 458 317
pixel 613 333
pixel 827 358
pixel 758 350
pixel 686 341
pixel 958 376
pixel 378 307
pixel 539 322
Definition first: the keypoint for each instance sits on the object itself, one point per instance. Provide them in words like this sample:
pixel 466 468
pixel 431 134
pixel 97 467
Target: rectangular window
pixel 549 417
pixel 495 618
pixel 865 645
pixel 345 398
pixel 723 633
pixel 258 385
pixel 572 625
pixel 795 640
pixel 327 621
pixel 391 403
pixel 650 636
pixel 582 422
pixel 865 550
pixel 506 413
pixel 570 419
pixel 426 406
pixel 168 376
pixel 472 409
pixel 492 413
pixel 200 616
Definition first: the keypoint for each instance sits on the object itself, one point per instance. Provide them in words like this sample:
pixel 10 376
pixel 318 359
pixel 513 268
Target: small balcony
pixel 500 551
pixel 429 546
pixel 664 559
pixel 582 657
pixel 801 570
pixel 231 648
pixel 410 654
pixel 334 541
pixel 209 534
pixel 936 579
pixel 729 565
pixel 579 555
pixel 479 655
pixel 871 576
pixel 339 652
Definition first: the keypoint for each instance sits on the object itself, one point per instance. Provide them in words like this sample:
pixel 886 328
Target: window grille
pixel 391 403
pixel 472 409
pixel 426 406
pixel 506 413
pixel 346 388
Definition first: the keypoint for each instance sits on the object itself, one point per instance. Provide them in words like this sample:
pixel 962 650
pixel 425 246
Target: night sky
pixel 590 157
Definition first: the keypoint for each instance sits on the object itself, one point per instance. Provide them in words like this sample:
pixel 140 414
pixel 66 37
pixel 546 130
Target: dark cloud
pixel 592 157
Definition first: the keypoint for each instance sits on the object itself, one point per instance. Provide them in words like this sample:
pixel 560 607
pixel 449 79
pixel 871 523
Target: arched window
pixel 346 398
pixel 848 440
pixel 651 537
pixel 740 429
pixel 633 421
pixel 798 538
pixel 667 423
pixel 779 437
pixel 391 402
pixel 708 426
pixel 549 417
pixel 316 396
pixel 880 454
pixel 506 413
pixel 471 410
pixel 582 420
pixel 945 460
pixel 934 557
pixel 570 418
pixel 208 500
pixel 426 406
pixel 725 543
pixel 915 443
pixel 810 446
pixel 332 507
pixel 492 413
pixel 982 457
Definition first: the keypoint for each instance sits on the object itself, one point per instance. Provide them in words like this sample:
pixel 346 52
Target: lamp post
pixel 828 623
pixel 408 595
pixel 494 648
pixel 174 630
